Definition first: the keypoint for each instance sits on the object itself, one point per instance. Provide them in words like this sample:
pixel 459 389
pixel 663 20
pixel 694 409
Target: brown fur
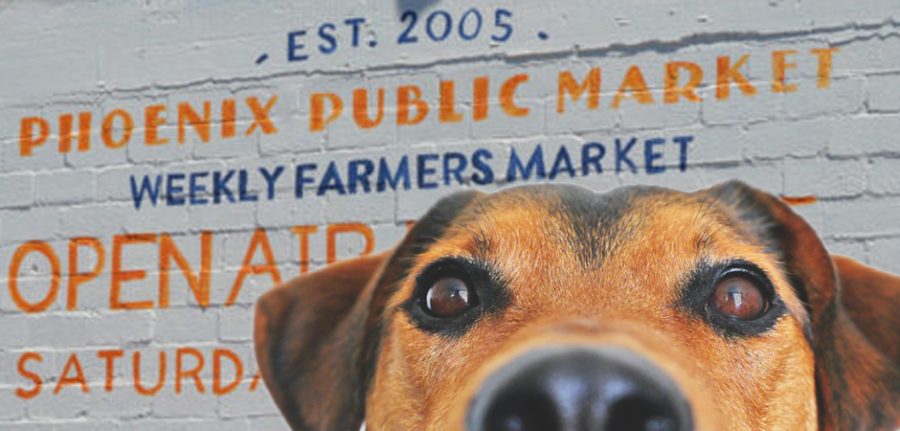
pixel 337 346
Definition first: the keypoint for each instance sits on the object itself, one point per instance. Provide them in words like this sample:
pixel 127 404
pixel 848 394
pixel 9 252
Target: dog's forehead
pixel 559 233
pixel 585 224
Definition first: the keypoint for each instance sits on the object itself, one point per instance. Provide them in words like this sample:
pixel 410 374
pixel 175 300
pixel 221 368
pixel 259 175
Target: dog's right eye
pixel 449 297
pixel 453 293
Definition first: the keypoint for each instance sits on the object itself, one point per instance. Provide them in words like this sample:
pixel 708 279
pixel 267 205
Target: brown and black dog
pixel 554 308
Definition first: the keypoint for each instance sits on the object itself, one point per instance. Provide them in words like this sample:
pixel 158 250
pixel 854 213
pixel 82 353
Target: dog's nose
pixel 579 389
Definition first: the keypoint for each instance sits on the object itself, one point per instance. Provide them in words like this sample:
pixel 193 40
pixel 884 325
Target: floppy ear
pixel 857 378
pixel 308 340
pixel 872 300
pixel 317 337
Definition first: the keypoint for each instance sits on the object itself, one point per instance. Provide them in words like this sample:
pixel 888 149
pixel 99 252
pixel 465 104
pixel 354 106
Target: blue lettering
pixel 622 155
pixel 220 186
pixel 562 163
pixel 197 190
pixel 360 170
pixel 294 46
pixel 651 155
pixel 301 180
pixel 148 188
pixel 331 180
pixel 356 23
pixel 174 193
pixel 454 171
pixel 385 178
pixel 326 33
pixel 683 142
pixel 587 160
pixel 244 194
pixel 423 171
pixel 271 178
pixel 535 164
pixel 486 173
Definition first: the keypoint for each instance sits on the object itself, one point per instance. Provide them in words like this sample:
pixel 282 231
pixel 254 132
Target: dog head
pixel 554 308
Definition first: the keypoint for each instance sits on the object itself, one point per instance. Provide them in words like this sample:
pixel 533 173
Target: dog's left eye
pixel 448 297
pixel 737 297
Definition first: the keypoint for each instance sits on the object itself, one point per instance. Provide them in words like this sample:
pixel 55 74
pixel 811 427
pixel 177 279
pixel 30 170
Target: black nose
pixel 579 389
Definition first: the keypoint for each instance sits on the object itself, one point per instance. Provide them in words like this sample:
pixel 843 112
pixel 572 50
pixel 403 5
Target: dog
pixel 553 308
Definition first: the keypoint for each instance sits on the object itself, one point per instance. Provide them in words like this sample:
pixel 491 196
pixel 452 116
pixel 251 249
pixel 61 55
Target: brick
pixel 17 189
pixel 884 94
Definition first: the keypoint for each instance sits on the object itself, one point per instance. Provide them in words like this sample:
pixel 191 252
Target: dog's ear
pixel 306 344
pixel 857 380
pixel 317 336
pixel 872 300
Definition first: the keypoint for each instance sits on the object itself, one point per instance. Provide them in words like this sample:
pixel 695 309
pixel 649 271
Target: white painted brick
pixel 183 325
pixel 864 135
pixel 883 253
pixel 824 178
pixel 843 219
pixel 787 138
pixel 123 402
pixel 243 403
pixel 236 324
pixel 882 176
pixel 55 187
pixel 17 190
pixel 13 406
pixel 34 223
pixel 884 94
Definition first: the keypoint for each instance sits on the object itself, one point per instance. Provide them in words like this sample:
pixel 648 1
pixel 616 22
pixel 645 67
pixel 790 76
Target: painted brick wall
pixel 82 256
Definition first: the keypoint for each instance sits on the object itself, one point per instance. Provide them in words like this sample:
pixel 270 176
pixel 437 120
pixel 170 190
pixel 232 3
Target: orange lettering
pixel 727 72
pixel 84 131
pixel 106 132
pixel 14 265
pixel 199 285
pixel 152 120
pixel 136 374
pixel 336 229
pixel 410 95
pixel 194 373
pixel 258 240
pixel 218 354
pixel 448 103
pixel 508 95
pixel 779 66
pixel 635 83
pixel 65 380
pixel 261 116
pixel 304 232
pixel 119 276
pixel 27 139
pixel 567 84
pixel 361 108
pixel 673 92
pixel 65 133
pixel 187 116
pixel 229 112
pixel 824 71
pixel 35 378
pixel 110 356
pixel 480 87
pixel 318 120
pixel 76 276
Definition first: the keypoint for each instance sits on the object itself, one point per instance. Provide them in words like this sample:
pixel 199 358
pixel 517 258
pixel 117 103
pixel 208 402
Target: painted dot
pixel 373 43
pixel 543 35
pixel 262 58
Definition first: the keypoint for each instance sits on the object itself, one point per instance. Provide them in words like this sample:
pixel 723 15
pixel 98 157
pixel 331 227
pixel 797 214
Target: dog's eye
pixel 738 297
pixel 449 297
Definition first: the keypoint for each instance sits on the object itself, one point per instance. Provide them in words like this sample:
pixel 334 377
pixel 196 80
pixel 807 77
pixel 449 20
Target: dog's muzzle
pixel 579 389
